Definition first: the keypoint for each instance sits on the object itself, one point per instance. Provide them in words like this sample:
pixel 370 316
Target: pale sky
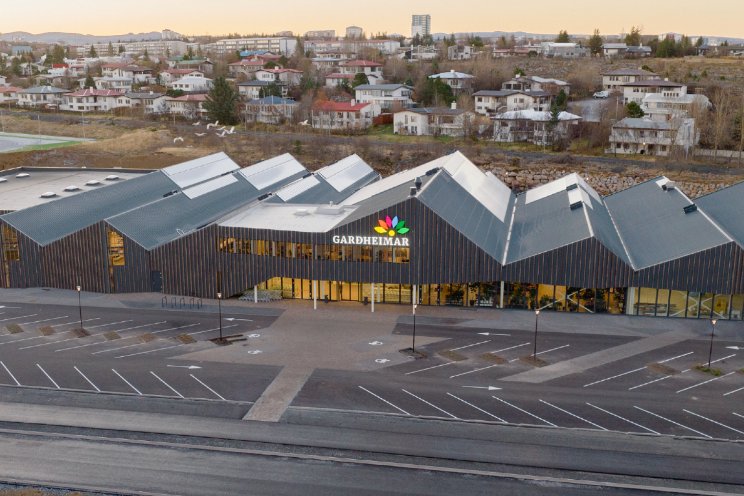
pixel 218 17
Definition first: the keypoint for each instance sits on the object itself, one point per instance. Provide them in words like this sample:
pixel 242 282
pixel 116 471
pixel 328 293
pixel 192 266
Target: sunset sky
pixel 217 17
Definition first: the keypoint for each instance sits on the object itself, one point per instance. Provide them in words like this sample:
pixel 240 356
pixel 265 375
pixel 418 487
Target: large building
pixel 442 233
pixel 279 45
pixel 420 25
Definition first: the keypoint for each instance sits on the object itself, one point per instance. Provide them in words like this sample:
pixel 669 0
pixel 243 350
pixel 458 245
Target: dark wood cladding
pixel 193 266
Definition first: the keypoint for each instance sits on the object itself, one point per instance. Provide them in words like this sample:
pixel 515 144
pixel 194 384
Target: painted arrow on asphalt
pixel 492 334
pixel 254 352
pixel 376 343
pixel 734 348
pixel 382 360
pixel 190 367
pixel 490 388
pixel 230 319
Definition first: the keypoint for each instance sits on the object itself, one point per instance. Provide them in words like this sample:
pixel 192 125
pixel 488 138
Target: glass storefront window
pixel 677 304
pixel 721 306
pixel 647 302
pixel 737 306
pixel 706 306
pixel 616 300
pixel 693 305
pixel 662 303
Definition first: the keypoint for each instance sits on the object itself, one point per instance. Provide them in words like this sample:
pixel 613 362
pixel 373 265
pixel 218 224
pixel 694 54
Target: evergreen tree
pixel 272 89
pixel 146 56
pixel 634 37
pixel 562 37
pixel 359 79
pixel 92 52
pixel 121 49
pixel 222 102
pixel 58 55
pixel 89 82
pixel 634 110
pixel 561 100
pixel 110 49
pixel 437 92
pixel 595 43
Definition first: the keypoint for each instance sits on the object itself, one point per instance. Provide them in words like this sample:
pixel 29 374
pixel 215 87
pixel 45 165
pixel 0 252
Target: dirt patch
pixel 111 335
pixel 453 356
pixel 14 328
pixel 185 339
pixel 490 357
pixel 534 361
pixel 147 337
pixel 660 368
pixel 46 330
pixel 80 333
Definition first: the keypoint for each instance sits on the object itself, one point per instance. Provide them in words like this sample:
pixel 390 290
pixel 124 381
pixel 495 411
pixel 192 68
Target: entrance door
pixel 156 281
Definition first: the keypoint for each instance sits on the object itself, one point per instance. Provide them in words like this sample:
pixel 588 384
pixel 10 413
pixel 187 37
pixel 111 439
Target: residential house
pixel 460 52
pixel 9 94
pixel 327 63
pixel 489 102
pixel 647 137
pixel 245 67
pixel 172 75
pixel 563 50
pixel 613 80
pixel 614 50
pixel 372 70
pixel 107 70
pixel 637 52
pixel 636 91
pixel 338 79
pixel 202 65
pixel 458 81
pixel 420 53
pixel 285 77
pixel 138 74
pixel 41 96
pixel 252 90
pixel 540 128
pixel 433 121
pixel 147 102
pixel 536 83
pixel 91 100
pixel 270 110
pixel 351 115
pixel 388 97
pixel 191 84
pixel 658 107
pixel 188 106
pixel 3 81
pixel 110 83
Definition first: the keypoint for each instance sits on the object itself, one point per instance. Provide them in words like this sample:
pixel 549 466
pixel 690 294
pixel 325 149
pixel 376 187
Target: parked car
pixel 601 94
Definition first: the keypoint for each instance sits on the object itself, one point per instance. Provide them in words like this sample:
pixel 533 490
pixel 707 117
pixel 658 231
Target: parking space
pixel 125 353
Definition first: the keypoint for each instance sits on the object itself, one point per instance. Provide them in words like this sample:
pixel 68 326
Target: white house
pixel 3 81
pixel 270 110
pixel 636 91
pixel 110 83
pixel 191 84
pixel 458 81
pixel 172 75
pixel 433 121
pixel 41 96
pixel 188 106
pixel 536 83
pixel 612 50
pixel 647 137
pixel 251 90
pixel 343 115
pixel 338 79
pixel 245 66
pixel 658 107
pixel 9 94
pixel 287 77
pixel 613 80
pixel 148 102
pixel 532 126
pixel 563 50
pixel 372 70
pixel 138 74
pixel 91 100
pixel 489 102
pixel 388 97
pixel 460 52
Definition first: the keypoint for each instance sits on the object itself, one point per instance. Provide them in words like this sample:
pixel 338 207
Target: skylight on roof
pixel 272 171
pixel 346 172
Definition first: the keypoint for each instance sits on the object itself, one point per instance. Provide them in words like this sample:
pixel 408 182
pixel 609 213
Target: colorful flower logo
pixel 391 226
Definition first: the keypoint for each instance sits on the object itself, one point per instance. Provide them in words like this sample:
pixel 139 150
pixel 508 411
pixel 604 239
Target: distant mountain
pixel 492 35
pixel 76 38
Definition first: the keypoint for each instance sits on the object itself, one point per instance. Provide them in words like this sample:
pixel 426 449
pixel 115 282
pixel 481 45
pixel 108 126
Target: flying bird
pixel 200 134
pixel 222 134
pixel 197 123
pixel 232 130
pixel 211 125
pixel 304 123
pixel 176 140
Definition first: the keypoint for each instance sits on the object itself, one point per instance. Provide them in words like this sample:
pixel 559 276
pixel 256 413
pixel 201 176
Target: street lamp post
pixel 80 306
pixel 413 343
pixel 534 349
pixel 219 306
pixel 712 333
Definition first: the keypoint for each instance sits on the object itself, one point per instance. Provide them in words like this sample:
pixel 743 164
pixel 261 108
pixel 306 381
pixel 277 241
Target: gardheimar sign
pixel 392 227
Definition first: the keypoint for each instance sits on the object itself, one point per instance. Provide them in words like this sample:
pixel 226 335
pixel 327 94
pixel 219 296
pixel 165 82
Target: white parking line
pixel 383 400
pixel 128 383
pixel 430 404
pixel 429 368
pixel 673 422
pixel 44 320
pixel 668 376
pixel 541 352
pixel 10 374
pixel 525 411
pixel 471 345
pixel 623 418
pixel 89 381
pixel 212 390
pixel 636 370
pixel 509 348
pixel 734 413
pixel 714 421
pixel 477 408
pixel 21 317
pixel 166 384
pixel 40 337
pixel 211 330
pixel 140 344
pixel 151 351
pixel 75 322
pixel 110 324
pixel 106 341
pixel 474 370
pixel 573 415
pixel 48 376
pixel 72 339
pixel 705 382
pixel 734 391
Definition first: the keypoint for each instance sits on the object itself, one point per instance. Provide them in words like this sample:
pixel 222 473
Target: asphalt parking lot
pixel 127 352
